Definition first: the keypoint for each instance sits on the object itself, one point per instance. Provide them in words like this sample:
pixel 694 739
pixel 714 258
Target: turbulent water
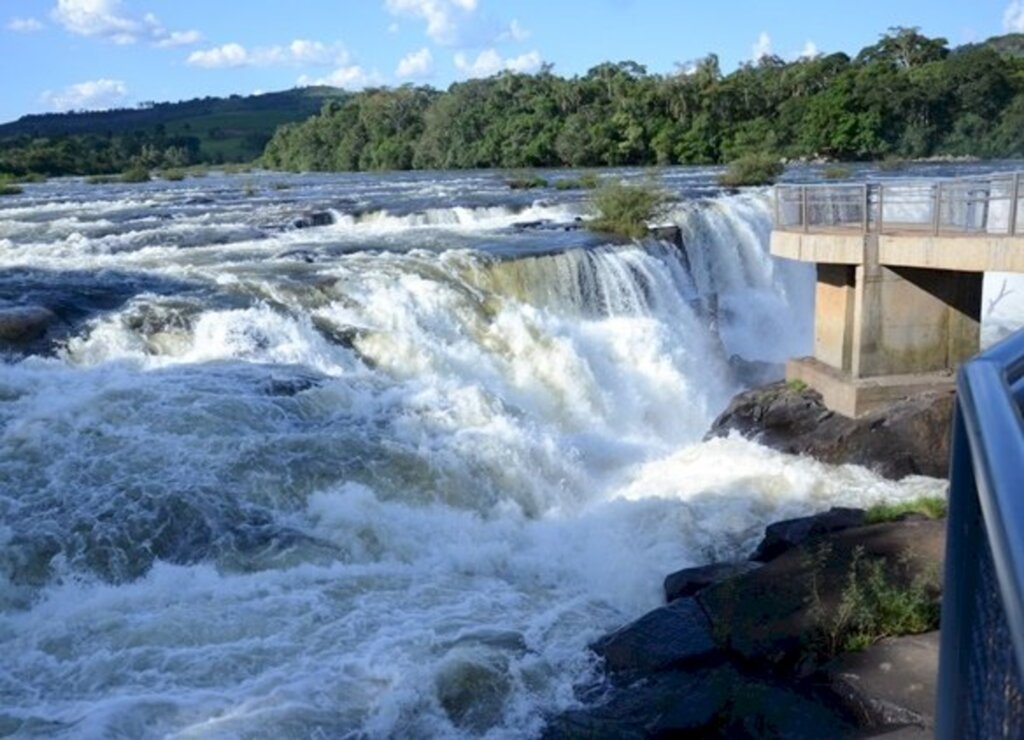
pixel 386 477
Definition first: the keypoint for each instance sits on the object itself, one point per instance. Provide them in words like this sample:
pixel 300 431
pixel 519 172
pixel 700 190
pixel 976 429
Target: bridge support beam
pixel 882 332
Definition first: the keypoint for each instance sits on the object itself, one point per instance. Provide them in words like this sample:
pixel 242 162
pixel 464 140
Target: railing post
pixel 803 208
pixel 1014 195
pixel 937 208
pixel 867 206
pixel 881 207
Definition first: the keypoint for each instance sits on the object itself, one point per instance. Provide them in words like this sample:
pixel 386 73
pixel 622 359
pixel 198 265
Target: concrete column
pixel 833 315
pixel 911 320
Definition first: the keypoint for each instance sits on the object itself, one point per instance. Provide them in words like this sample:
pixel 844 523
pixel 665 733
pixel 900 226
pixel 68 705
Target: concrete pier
pixel 897 302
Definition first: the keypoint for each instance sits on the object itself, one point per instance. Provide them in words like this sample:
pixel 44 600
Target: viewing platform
pixel 899 278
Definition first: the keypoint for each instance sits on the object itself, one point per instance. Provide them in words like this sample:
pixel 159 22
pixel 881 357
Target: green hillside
pixel 204 130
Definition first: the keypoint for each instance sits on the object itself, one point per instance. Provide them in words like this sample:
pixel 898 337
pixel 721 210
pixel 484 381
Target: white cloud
pixel 416 64
pixel 1013 17
pixel 106 20
pixel 441 16
pixel 228 55
pixel 393 28
pixel 24 25
pixel 92 95
pixel 810 51
pixel 762 47
pixel 490 62
pixel 351 77
pixel 515 32
pixel 298 53
pixel 179 38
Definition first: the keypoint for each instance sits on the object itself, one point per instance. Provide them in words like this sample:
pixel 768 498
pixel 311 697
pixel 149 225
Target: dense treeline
pixel 906 96
pixel 203 130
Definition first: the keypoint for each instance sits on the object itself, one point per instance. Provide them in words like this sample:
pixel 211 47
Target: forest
pixel 906 96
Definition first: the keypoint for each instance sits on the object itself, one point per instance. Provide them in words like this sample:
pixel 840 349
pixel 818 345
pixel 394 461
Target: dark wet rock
pixel 782 536
pixel 774 616
pixel 299 255
pixel 200 200
pixel 890 684
pixel 20 325
pixel 311 219
pixel 908 437
pixel 672 635
pixel 670 233
pixel 690 581
pixel 546 225
pixel 290 386
pixel 716 702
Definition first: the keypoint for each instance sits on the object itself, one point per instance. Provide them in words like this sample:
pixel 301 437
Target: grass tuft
pixel 933 507
pixel 136 173
pixel 527 182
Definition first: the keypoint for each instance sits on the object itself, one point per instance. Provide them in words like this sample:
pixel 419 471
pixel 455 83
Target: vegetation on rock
pixel 7 186
pixel 135 173
pixel 933 507
pixel 527 182
pixel 752 169
pixel 626 209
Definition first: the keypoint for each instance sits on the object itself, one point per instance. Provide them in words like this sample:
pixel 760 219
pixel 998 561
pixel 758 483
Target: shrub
pixel 135 173
pixel 587 181
pixel 873 604
pixel 836 172
pixel 173 175
pixel 101 179
pixel 933 507
pixel 527 182
pixel 626 209
pixel 752 169
pixel 7 186
pixel 30 177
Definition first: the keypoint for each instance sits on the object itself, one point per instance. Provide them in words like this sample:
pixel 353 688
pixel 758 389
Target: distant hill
pixel 232 129
pixel 1010 45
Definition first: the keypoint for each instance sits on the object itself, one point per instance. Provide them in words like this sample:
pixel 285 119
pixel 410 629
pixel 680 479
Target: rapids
pixel 386 477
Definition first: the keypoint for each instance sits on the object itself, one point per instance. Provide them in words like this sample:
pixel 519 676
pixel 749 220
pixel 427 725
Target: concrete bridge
pixel 900 267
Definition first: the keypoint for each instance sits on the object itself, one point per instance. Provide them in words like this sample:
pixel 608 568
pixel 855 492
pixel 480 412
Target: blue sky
pixel 78 54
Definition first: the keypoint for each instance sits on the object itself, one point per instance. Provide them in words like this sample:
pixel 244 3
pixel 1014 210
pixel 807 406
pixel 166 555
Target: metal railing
pixel 987 204
pixel 982 644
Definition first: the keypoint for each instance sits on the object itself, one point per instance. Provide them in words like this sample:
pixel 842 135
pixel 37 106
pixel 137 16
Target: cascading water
pixel 386 477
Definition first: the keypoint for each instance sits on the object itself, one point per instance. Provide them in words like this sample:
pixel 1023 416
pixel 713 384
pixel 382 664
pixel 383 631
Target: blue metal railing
pixel 982 645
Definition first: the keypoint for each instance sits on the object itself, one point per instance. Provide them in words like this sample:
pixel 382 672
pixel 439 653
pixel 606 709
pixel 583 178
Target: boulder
pixel 669 233
pixel 779 615
pixel 890 684
pixel 907 437
pixel 672 635
pixel 782 536
pixel 314 218
pixel 23 324
pixel 690 581
pixel 714 702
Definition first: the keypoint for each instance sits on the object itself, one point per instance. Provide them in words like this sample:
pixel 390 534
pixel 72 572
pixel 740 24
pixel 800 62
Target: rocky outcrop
pixel 670 636
pixel 909 437
pixel 691 581
pixel 785 535
pixel 749 650
pixel 890 684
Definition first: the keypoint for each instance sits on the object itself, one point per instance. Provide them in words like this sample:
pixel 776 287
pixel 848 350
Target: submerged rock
pixel 908 437
pixel 23 324
pixel 314 218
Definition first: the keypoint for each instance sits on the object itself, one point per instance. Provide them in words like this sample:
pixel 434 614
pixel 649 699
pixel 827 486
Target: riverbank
pixel 828 629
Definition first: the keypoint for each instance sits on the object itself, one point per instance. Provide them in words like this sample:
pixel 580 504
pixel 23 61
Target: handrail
pixel 985 204
pixel 982 645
